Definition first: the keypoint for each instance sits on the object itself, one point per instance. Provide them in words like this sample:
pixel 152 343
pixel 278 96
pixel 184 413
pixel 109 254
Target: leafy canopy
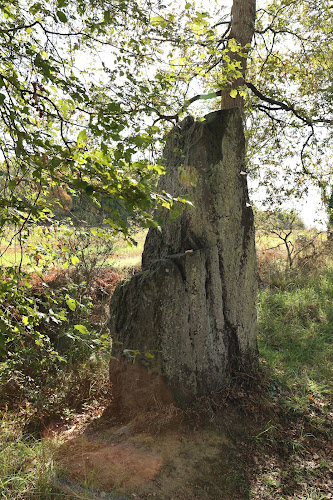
pixel 290 113
pixel 85 87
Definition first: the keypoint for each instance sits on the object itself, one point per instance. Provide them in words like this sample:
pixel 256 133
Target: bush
pixel 48 327
pixel 53 320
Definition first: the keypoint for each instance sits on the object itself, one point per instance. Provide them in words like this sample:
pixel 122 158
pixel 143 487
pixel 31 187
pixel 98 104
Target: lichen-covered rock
pixel 193 306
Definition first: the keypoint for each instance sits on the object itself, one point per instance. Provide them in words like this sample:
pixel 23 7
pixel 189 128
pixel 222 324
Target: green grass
pixel 125 255
pixel 295 335
pixel 27 469
pixel 44 242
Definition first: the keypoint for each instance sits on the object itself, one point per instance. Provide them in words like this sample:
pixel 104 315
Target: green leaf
pixel 35 8
pixel 82 329
pixel 71 304
pixel 131 354
pixel 113 106
pixel 75 260
pixel 62 16
pixel 55 162
pixel 138 140
pixel 82 138
pixel 158 20
pixel 233 93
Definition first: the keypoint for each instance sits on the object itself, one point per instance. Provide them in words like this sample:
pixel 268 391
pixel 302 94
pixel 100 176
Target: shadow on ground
pixel 237 444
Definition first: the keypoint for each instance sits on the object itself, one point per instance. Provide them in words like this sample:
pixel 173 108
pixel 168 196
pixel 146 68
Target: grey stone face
pixel 193 305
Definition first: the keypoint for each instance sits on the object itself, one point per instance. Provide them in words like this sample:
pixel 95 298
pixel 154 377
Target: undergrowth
pixel 295 319
pixel 27 468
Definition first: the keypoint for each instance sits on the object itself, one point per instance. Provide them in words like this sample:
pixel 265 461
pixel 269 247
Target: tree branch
pixel 187 103
pixel 280 104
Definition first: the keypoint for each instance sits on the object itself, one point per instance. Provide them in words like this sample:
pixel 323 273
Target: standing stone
pixel 193 305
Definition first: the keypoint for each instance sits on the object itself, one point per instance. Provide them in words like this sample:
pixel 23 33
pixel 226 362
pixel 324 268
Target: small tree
pixel 282 224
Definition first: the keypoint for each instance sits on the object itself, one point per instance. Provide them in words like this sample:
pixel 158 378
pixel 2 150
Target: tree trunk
pixel 243 15
pixel 188 320
pixel 189 317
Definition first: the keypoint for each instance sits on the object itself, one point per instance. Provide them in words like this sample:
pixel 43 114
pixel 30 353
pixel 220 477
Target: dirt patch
pixel 195 458
pixel 180 465
pixel 116 466
pixel 197 465
pixel 234 445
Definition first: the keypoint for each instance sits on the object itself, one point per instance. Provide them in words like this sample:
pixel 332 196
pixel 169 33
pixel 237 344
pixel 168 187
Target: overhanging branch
pixel 175 117
pixel 275 105
pixel 281 105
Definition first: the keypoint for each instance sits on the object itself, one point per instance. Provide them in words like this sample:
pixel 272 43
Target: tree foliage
pixel 290 102
pixel 62 125
pixel 88 90
pixel 83 87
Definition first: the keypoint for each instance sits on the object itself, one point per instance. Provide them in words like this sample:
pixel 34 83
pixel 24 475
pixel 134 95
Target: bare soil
pixel 234 445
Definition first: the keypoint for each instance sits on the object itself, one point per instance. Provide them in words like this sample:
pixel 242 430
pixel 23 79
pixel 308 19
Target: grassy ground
pixel 126 256
pixel 295 319
pixel 296 337
pixel 267 440
pixel 27 466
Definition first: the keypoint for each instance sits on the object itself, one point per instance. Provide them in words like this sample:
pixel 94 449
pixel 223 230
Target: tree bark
pixel 243 15
pixel 189 317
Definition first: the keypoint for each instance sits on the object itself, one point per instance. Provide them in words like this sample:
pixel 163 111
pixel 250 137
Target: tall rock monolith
pixel 189 316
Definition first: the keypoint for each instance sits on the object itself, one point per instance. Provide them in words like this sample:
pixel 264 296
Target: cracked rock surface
pixel 190 314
